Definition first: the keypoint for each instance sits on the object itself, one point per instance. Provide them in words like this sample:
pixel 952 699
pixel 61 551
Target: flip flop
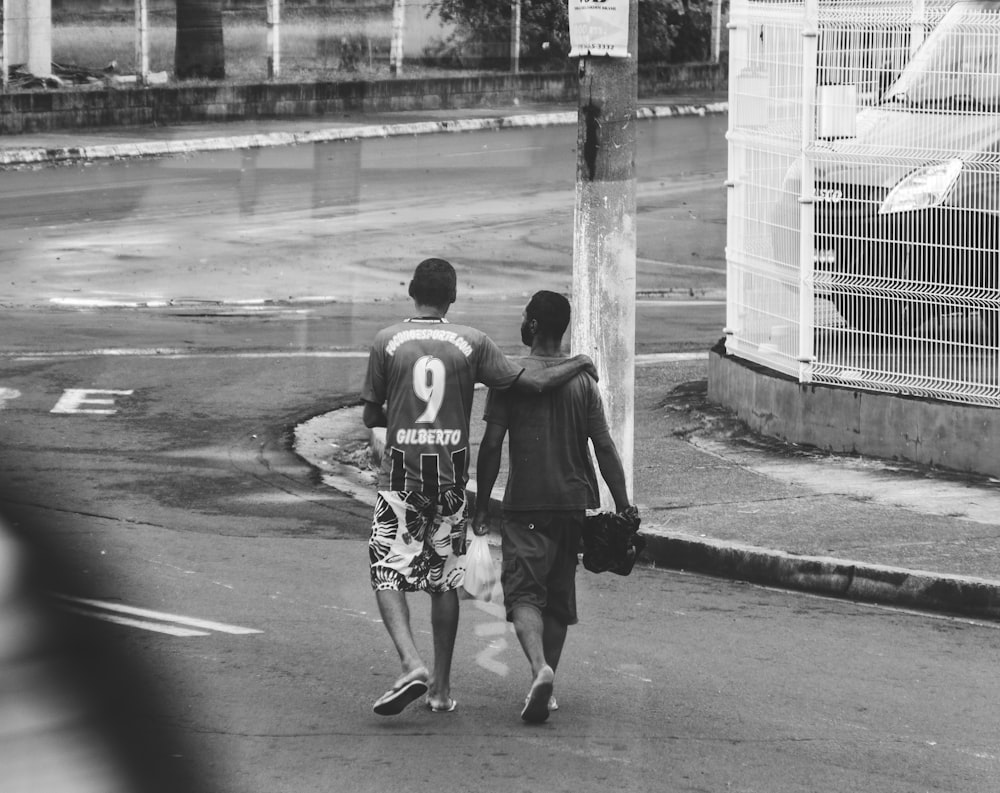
pixel 536 709
pixel 553 705
pixel 448 708
pixel 394 700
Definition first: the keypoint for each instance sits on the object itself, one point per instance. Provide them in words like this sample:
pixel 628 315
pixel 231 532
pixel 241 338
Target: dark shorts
pixel 539 562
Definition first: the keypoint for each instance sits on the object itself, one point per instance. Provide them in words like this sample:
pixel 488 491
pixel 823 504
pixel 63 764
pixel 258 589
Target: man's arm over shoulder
pixel 535 381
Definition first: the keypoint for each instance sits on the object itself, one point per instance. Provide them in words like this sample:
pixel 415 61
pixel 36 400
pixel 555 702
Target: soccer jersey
pixel 424 371
pixel 550 463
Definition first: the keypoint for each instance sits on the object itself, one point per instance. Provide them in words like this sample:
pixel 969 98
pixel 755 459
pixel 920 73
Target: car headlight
pixel 923 188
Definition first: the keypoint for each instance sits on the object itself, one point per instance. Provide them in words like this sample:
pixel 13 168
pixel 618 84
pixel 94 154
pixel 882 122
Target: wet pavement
pixel 714 498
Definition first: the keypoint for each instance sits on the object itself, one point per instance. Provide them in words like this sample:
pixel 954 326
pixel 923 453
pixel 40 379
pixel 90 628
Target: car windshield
pixel 958 66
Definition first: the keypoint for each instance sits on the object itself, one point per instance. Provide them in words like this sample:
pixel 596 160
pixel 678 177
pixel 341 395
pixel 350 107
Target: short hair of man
pixel 434 283
pixel 551 311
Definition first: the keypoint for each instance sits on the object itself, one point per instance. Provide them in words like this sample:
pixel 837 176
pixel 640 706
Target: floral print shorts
pixel 418 541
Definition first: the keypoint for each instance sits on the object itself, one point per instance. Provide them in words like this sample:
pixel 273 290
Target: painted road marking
pixel 669 357
pixel 648 358
pixel 170 630
pixel 74 399
pixel 174 354
pixel 158 621
pixel 7 394
pixel 679 303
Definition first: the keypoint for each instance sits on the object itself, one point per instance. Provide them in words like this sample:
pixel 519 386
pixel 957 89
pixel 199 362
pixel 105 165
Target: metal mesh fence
pixel 864 243
pixel 313 41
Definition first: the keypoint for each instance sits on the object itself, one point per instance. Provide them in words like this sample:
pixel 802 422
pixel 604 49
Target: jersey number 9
pixel 428 386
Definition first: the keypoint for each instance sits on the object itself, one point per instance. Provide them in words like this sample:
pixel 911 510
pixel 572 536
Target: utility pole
pixel 604 235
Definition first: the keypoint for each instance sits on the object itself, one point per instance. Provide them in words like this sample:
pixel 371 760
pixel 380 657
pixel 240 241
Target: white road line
pixel 172 354
pixel 157 627
pixel 669 357
pixel 645 359
pixel 193 622
pixel 679 303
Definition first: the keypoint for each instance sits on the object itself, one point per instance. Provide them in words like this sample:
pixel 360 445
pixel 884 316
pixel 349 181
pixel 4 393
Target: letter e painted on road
pixel 77 400
pixel 7 394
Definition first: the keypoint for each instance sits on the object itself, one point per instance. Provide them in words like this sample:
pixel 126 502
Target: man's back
pixel 550 462
pixel 425 370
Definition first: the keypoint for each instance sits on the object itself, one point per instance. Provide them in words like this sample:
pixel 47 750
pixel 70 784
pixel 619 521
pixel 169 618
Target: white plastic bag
pixel 481 579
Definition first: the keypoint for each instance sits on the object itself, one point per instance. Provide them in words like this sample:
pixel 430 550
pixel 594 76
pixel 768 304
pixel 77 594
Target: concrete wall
pixel 41 111
pixel 963 438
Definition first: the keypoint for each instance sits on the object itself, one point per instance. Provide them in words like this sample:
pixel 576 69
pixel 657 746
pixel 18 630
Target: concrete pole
pixel 273 39
pixel 716 30
pixel 515 36
pixel 141 42
pixel 4 62
pixel 398 32
pixel 604 236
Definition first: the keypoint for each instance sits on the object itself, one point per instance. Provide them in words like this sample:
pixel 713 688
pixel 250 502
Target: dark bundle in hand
pixel 611 542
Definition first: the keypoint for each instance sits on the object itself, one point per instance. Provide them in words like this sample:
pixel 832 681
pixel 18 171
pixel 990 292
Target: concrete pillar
pixel 273 39
pixel 28 39
pixel 398 35
pixel 604 242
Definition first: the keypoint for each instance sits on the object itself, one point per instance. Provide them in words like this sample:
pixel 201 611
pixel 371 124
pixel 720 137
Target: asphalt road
pixel 345 220
pixel 150 449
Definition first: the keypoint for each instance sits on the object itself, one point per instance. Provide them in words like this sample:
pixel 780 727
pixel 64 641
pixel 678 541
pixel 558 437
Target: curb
pixel 821 575
pixel 828 576
pixel 27 156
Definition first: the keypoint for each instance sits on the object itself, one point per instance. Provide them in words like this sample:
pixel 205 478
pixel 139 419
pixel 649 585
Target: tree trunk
pixel 199 50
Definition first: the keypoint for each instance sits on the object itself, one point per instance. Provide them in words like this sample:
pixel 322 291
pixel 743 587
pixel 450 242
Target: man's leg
pixel 553 639
pixel 395 613
pixel 529 626
pixel 444 625
pixel 390 556
pixel 412 684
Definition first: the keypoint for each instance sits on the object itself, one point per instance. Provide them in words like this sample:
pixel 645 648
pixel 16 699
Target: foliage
pixel 482 33
pixel 676 31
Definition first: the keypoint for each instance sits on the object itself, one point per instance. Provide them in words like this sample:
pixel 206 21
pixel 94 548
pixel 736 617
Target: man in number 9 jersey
pixel 419 386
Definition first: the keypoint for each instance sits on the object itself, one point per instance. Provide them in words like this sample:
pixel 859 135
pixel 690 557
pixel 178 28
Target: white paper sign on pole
pixel 598 27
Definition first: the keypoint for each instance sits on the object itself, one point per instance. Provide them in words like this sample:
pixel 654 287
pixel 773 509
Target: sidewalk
pixel 111 143
pixel 716 500
pixel 713 498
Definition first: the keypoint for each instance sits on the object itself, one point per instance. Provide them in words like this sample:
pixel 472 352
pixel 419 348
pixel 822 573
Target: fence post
pixel 717 29
pixel 273 38
pixel 515 36
pixel 141 42
pixel 3 43
pixel 398 30
pixel 918 25
pixel 807 197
